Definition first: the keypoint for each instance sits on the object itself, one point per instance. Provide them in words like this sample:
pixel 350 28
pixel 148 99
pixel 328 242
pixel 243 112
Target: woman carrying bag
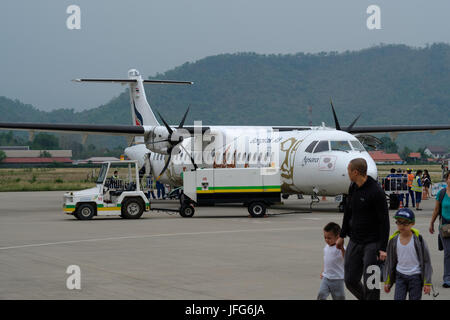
pixel 442 209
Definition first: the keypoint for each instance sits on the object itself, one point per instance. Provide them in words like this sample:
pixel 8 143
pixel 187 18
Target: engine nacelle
pixel 158 139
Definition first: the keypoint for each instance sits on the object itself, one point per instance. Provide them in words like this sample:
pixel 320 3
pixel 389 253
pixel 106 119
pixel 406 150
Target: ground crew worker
pixel 410 192
pixel 150 187
pixel 115 180
pixel 416 187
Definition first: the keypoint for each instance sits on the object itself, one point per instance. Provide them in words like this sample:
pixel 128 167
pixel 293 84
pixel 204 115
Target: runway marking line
pixel 153 236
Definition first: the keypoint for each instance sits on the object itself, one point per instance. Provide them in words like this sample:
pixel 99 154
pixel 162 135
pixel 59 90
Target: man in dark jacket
pixel 366 221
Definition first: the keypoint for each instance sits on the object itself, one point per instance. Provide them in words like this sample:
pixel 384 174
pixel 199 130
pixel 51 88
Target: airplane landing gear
pixel 314 199
pixel 342 203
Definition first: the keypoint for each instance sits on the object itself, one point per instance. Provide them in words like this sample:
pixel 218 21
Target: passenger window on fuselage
pixel 322 146
pixel 310 148
pixel 340 146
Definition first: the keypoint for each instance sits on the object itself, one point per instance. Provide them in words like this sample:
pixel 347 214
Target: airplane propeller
pixel 336 121
pixel 173 142
pixel 366 139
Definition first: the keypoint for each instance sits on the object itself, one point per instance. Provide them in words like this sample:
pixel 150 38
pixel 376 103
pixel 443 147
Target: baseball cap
pixel 405 213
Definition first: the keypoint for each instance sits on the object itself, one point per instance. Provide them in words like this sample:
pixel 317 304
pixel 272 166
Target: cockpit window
pixel 340 146
pixel 357 145
pixel 310 148
pixel 322 146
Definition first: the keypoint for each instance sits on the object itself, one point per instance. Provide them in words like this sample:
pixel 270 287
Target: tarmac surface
pixel 220 253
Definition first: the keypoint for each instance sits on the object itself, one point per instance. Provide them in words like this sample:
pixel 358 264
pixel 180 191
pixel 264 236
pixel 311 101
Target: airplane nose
pixel 371 166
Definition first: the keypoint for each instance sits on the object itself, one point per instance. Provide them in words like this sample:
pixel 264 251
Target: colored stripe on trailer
pixel 240 189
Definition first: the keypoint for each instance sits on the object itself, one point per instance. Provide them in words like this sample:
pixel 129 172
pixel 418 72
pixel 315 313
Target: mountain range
pixel 386 84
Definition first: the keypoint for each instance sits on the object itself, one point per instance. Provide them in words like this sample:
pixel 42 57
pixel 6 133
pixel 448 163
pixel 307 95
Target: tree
pixel 2 155
pixel 9 139
pixel 405 153
pixel 388 145
pixel 45 141
pixel 423 155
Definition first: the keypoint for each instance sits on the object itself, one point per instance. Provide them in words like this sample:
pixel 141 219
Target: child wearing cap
pixel 408 263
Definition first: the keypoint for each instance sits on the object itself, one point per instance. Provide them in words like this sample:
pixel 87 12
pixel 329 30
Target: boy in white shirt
pixel 333 265
pixel 408 263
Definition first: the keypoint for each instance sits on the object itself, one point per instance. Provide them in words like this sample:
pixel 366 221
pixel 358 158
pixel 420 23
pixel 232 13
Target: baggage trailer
pixel 256 188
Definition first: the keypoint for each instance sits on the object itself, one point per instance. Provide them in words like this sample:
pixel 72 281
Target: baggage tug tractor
pixel 113 195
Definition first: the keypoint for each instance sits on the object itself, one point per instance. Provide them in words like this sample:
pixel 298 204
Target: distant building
pixel 31 160
pixel 436 152
pixel 380 157
pixel 414 157
pixel 16 155
pixel 4 148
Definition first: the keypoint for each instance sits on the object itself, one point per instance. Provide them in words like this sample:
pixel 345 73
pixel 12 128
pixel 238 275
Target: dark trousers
pixel 408 284
pixel 446 245
pixel 410 193
pixel 358 257
pixel 161 191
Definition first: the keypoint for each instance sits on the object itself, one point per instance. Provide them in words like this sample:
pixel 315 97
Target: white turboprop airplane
pixel 313 159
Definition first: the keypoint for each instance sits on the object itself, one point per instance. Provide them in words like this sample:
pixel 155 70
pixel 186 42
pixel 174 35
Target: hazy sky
pixel 39 55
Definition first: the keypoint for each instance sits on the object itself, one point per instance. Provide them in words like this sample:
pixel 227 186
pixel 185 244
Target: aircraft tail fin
pixel 141 111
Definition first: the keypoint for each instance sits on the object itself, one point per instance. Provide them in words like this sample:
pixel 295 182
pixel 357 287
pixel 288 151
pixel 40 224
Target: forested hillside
pixel 387 84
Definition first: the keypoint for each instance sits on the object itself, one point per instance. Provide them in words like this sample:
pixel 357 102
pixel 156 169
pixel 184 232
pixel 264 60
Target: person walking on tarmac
pixel 426 180
pixel 410 192
pixel 416 187
pixel 366 221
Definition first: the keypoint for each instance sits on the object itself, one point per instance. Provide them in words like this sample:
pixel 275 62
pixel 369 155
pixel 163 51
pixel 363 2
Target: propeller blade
pixel 165 124
pixel 165 166
pixel 165 140
pixel 336 122
pixel 350 127
pixel 184 118
pixel 192 159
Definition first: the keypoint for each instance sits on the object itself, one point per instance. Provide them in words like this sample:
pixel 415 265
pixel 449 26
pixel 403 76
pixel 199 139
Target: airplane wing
pixel 396 128
pixel 376 129
pixel 122 130
pixel 129 130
